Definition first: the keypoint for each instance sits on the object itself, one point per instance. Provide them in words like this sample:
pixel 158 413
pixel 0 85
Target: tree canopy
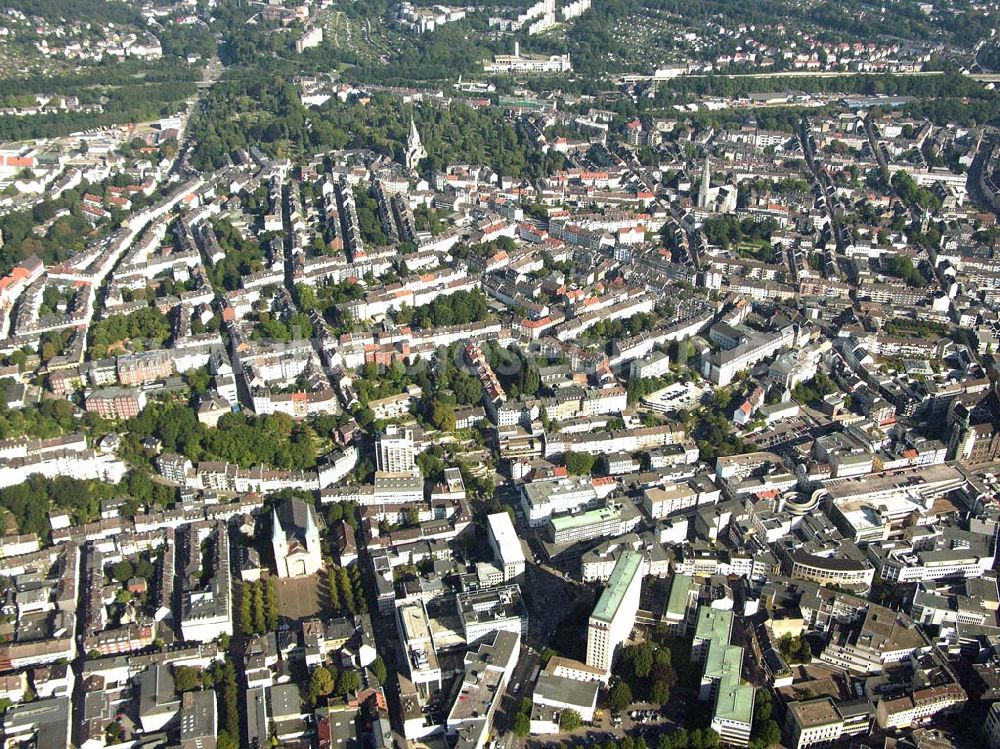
pixel 275 440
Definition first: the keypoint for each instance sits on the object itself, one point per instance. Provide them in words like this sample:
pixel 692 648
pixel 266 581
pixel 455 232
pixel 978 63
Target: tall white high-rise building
pixel 506 545
pixel 613 617
pixel 394 453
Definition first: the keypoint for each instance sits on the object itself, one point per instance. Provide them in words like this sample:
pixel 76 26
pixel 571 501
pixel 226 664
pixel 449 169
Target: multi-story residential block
pixel 822 721
pixel 721 367
pixel 116 403
pixel 147 366
pixel 207 608
pixel 487 672
pixel 394 450
pixel 597 564
pixel 487 611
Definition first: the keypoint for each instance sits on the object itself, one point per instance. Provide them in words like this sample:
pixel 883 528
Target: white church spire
pixel 277 532
pixel 706 184
pixel 415 150
pixel 311 530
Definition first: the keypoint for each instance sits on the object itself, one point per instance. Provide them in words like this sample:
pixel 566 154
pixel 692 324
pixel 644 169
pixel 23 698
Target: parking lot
pixel 606 730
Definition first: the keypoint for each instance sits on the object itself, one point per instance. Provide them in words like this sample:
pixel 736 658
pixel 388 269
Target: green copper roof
pixel 625 569
pixel 714 624
pixel 565 522
pixel 735 703
pixel 679 589
pixel 723 663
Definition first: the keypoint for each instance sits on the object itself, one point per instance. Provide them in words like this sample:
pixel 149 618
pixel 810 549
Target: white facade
pixel 563 693
pixel 614 616
pixel 543 499
pixel 210 616
pixel 395 450
pixel 530 64
pixel 297 551
pixel 506 545
pixel 338 467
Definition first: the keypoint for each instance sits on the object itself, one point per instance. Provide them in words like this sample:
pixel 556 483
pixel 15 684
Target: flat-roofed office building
pixel 613 617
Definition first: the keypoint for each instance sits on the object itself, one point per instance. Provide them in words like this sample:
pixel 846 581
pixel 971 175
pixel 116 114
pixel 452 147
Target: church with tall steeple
pixel 415 150
pixel 721 198
pixel 295 539
pixel 705 193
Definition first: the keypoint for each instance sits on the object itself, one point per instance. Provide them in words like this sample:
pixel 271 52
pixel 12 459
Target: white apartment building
pixel 653 364
pixel 617 441
pixel 571 669
pixel 606 522
pixel 661 502
pixel 395 450
pixel 207 611
pixel 415 633
pixel 337 467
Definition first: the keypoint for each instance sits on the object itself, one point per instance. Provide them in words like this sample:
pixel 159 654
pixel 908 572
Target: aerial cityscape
pixel 585 373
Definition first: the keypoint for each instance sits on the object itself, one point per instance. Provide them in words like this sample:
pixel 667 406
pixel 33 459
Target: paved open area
pixel 299 598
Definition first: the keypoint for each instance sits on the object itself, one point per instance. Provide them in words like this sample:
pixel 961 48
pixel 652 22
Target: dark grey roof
pixel 569 691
